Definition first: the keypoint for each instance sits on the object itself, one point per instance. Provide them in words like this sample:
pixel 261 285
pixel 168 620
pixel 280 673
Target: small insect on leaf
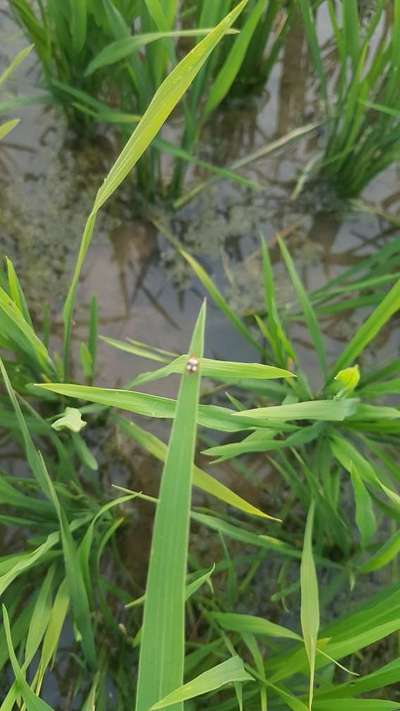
pixel 192 365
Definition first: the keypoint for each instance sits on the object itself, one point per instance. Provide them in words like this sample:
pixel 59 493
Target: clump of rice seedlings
pixel 67 574
pixel 361 99
pixel 336 452
pixel 303 664
pixel 313 662
pixel 66 522
pixel 103 64
pixel 325 441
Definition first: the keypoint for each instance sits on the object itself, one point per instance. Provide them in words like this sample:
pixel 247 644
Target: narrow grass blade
pixel 226 371
pixel 264 441
pixel 79 19
pixel 40 617
pixel 369 329
pixel 75 581
pixel 280 344
pixel 7 127
pixel 247 160
pixel 306 7
pixel 53 633
pixel 73 573
pixel 357 705
pixel 21 334
pixel 20 57
pixel 325 410
pixel 245 624
pixel 225 673
pixel 212 416
pixel 161 106
pixel 365 517
pixel 234 59
pixel 123 48
pixel 16 291
pixel 33 703
pixel 383 556
pixel 162 648
pixel 309 314
pixel 219 300
pixel 201 479
pixel 291 701
pixel 142 350
pixel 309 601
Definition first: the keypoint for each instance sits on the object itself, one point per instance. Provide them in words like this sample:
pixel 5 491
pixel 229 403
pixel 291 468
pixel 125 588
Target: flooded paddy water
pixel 49 179
pixel 144 290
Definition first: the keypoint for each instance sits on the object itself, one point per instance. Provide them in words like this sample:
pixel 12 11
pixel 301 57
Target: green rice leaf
pixel 33 703
pixel 225 673
pixel 237 533
pixel 162 648
pixel 234 59
pixel 75 581
pixel 310 26
pixel 142 350
pixel 309 601
pixel 369 329
pixel 40 617
pixel 25 561
pixel 213 416
pixel 216 369
pixel 78 14
pixel 161 106
pixel 201 479
pixel 20 334
pixel 291 701
pixel 20 57
pixel 73 572
pixel 7 127
pixel 325 410
pixel 279 341
pixel 383 556
pixel 53 633
pixel 356 705
pixel 365 517
pixel 264 441
pixel 123 48
pixel 309 314
pixel 218 299
pixel 235 622
pixel 16 292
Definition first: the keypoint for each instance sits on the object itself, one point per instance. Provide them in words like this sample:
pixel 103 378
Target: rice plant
pixel 335 428
pixel 304 665
pixel 103 63
pixel 65 582
pixel 311 440
pixel 361 99
pixel 67 523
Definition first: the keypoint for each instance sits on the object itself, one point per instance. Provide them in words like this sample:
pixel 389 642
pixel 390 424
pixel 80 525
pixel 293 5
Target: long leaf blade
pixel 163 640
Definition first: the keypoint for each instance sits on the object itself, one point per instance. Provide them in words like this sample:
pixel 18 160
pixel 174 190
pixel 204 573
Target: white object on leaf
pixel 70 420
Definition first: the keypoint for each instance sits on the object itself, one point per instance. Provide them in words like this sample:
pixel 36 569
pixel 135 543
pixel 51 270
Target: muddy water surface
pixel 49 179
